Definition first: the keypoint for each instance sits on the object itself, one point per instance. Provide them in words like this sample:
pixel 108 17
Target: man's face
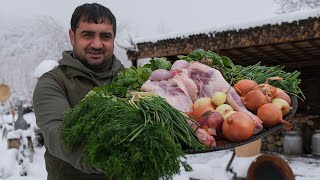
pixel 93 42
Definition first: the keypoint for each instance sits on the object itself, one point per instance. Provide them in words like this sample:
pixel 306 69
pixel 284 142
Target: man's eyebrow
pixel 91 32
pixel 106 33
pixel 86 32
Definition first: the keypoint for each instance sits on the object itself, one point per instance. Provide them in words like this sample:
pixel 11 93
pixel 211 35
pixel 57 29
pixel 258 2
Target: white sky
pixel 149 17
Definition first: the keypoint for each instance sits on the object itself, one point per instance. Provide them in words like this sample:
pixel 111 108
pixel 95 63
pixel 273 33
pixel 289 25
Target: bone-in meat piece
pixel 175 90
pixel 210 80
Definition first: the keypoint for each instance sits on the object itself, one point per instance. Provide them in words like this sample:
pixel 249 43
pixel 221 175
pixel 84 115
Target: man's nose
pixel 96 42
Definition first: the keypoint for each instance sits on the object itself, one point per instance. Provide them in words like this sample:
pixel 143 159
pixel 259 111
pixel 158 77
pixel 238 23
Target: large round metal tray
pixel 223 145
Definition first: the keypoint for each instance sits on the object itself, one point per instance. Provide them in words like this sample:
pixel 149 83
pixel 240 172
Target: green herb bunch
pixel 129 139
pixel 131 79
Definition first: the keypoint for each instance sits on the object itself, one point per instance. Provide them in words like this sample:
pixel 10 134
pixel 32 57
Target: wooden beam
pixel 227 53
pixel 302 63
pixel 243 53
pixel 267 54
pixel 280 51
pixel 314 44
pixel 301 50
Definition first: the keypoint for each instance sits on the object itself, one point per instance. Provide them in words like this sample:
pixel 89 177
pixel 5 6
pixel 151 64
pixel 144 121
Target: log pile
pixel 273 143
pixel 231 39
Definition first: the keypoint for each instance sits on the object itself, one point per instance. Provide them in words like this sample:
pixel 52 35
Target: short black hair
pixel 94 12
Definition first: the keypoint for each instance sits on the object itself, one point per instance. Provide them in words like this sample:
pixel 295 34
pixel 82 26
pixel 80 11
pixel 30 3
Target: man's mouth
pixel 95 54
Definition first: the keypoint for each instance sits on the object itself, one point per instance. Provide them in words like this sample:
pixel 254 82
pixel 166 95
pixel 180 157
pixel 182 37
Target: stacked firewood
pixel 273 143
pixel 304 123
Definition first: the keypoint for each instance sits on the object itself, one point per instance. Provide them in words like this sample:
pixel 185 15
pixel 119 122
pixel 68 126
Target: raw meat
pixel 186 82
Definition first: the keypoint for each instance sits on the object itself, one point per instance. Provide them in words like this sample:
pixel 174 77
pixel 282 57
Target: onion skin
pixel 282 105
pixel 254 99
pixel 203 101
pixel 244 86
pixel 267 89
pixel 227 114
pixel 224 108
pixel 219 98
pixel 283 95
pixel 199 111
pixel 238 126
pixel 271 115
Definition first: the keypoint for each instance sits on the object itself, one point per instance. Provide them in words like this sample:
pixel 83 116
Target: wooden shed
pixel 295 44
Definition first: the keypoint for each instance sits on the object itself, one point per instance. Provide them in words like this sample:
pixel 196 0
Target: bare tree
pixel 287 6
pixel 128 44
pixel 23 46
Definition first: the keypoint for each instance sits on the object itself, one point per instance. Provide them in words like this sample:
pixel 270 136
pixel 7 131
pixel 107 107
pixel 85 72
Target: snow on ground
pixel 304 168
pixel 206 166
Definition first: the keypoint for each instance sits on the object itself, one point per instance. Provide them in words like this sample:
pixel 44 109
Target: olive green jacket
pixel 56 91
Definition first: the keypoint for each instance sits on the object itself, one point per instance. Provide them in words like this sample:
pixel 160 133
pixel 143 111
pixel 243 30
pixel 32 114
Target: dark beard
pixel 84 61
pixel 97 67
pixel 94 50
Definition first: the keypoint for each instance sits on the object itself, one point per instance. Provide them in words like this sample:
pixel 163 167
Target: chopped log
pixel 13 143
pixel 267 167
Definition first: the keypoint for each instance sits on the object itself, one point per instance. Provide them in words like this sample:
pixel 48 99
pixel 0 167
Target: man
pixel 91 63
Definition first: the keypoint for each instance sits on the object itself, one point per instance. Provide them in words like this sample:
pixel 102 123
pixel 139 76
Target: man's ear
pixel 71 36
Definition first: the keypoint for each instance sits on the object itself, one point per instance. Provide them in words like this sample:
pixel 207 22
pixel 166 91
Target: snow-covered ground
pixel 206 166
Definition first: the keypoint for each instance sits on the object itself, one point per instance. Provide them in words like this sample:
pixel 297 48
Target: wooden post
pixel 30 143
pixel 249 150
pixel 39 138
pixel 267 167
pixel 135 63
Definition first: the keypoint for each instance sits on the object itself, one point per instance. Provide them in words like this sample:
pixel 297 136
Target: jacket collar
pixel 76 68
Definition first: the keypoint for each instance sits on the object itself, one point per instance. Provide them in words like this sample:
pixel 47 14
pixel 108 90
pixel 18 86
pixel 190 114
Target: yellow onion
pixel 283 95
pixel 271 115
pixel 254 99
pixel 267 89
pixel 244 86
pixel 238 126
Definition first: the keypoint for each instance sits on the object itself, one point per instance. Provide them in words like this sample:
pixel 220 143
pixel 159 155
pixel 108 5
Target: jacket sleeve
pixel 50 102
